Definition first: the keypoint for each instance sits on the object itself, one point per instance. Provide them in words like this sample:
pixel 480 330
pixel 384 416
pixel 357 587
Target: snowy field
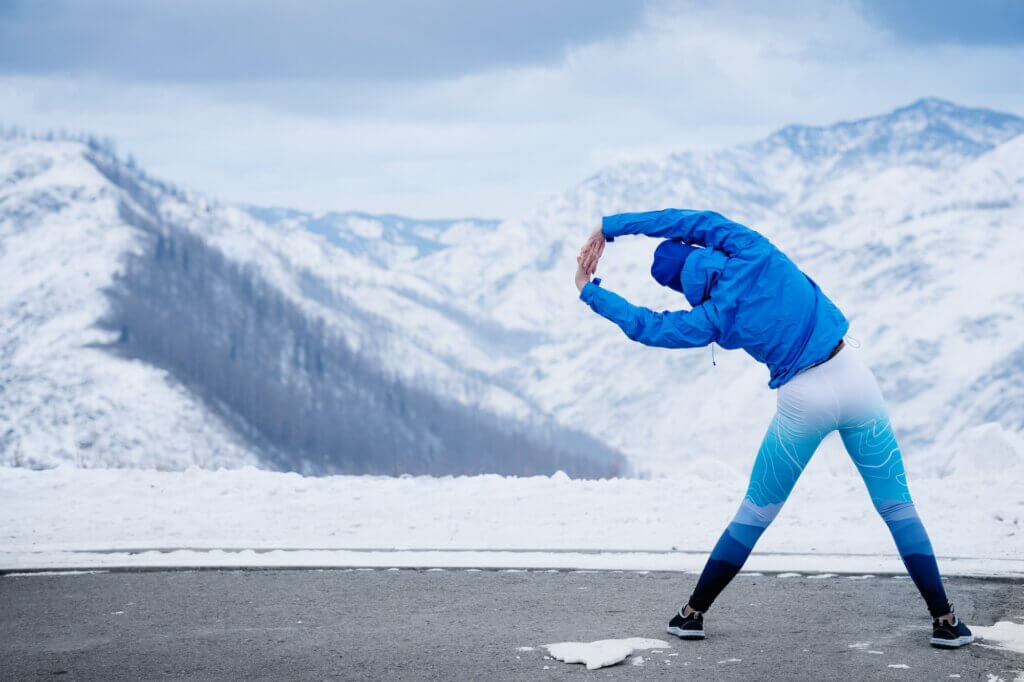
pixel 80 518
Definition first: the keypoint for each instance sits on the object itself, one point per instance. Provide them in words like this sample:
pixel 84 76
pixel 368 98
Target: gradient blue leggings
pixel 842 395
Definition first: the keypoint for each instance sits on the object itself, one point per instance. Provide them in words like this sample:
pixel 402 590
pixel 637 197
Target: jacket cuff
pixel 589 290
pixel 604 223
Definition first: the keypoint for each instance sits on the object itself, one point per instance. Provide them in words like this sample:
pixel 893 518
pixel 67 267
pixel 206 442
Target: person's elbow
pixel 652 331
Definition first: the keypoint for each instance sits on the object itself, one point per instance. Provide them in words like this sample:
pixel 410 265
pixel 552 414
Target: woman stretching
pixel 747 294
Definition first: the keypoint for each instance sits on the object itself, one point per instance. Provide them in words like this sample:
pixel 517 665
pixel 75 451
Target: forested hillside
pixel 280 376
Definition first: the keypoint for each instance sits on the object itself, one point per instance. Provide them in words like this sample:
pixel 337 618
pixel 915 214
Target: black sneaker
pixel 690 627
pixel 949 636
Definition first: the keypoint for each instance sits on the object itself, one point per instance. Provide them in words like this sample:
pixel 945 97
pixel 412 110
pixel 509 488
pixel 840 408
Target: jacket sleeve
pixel 670 329
pixel 704 228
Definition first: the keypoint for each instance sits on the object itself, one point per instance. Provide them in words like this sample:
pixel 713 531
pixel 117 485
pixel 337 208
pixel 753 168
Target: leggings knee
pixel 905 526
pixel 753 514
pixel 895 510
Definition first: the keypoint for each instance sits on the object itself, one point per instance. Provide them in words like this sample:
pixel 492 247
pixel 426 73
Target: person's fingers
pixel 588 263
pixel 587 255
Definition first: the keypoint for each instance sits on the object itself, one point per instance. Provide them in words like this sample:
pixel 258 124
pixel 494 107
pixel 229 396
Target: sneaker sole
pixel 951 643
pixel 685 634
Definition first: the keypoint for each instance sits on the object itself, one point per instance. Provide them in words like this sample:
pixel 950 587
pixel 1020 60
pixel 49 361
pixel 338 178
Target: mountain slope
pixel 152 327
pixel 61 396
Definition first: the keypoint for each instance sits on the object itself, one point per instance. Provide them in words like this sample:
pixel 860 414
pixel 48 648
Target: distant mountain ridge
pixel 910 221
pixel 385 240
pixel 929 132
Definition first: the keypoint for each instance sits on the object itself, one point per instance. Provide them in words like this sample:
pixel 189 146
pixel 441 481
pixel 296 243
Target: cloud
pixel 978 22
pixel 257 40
pixel 496 140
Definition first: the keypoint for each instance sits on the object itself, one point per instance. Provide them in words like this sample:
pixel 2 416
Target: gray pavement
pixel 456 624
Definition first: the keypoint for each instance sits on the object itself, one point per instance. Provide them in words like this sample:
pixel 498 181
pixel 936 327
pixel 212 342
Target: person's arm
pixel 669 329
pixel 704 228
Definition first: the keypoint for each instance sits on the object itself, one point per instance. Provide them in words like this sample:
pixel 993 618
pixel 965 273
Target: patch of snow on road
pixel 789 575
pixel 1004 634
pixel 603 652
pixel 899 665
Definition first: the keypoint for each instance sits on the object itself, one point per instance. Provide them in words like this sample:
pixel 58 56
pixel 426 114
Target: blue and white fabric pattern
pixel 839 395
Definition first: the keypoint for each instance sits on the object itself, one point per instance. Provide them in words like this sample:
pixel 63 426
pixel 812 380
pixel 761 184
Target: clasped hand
pixel 589 255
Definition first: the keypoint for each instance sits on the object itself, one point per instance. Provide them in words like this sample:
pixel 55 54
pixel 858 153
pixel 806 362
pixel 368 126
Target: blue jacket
pixel 745 294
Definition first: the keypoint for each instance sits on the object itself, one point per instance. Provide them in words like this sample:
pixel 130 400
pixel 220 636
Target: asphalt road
pixel 457 624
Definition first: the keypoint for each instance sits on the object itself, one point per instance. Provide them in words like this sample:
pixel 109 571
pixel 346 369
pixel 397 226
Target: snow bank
pixel 987 451
pixel 603 652
pixel 78 518
pixel 475 560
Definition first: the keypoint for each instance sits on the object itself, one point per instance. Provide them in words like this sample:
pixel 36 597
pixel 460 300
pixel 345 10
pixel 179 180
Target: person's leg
pixel 793 435
pixel 869 438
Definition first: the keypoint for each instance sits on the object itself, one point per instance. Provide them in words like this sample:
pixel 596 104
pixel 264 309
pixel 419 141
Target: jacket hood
pixel 701 270
pixel 668 262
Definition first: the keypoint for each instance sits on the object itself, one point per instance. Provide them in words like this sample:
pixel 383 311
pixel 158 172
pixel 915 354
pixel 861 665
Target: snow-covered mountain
pixel 910 221
pixel 147 326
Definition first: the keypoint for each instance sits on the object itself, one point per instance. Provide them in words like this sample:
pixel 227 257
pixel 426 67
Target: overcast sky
pixel 466 107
